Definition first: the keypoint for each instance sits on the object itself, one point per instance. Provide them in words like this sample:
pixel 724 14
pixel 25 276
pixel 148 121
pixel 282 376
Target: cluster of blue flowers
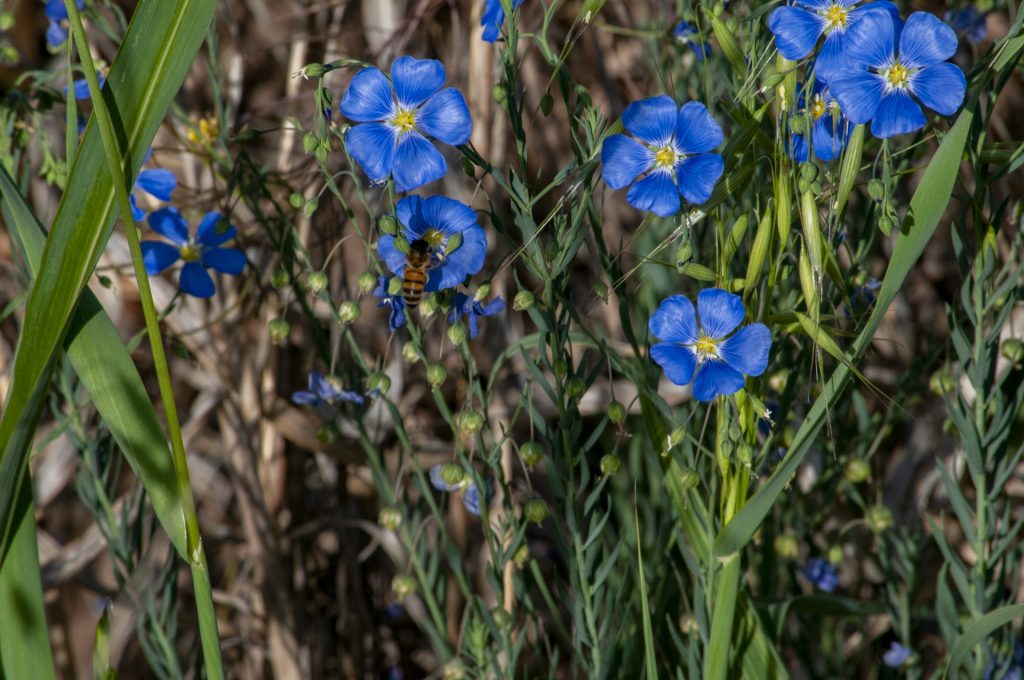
pixel 822 574
pixel 871 67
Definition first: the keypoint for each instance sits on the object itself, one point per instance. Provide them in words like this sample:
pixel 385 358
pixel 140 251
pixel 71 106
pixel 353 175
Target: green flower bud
pixel 575 387
pixel 531 453
pixel 386 225
pixel 379 381
pixel 786 546
pixel 457 333
pixel 436 375
pixel 500 93
pixel 279 330
pixel 684 253
pixel 522 554
pixel 674 437
pixel 689 479
pixel 453 670
pixel 560 368
pixel 610 464
pixel 394 285
pixel 803 185
pixel 535 510
pixel 857 470
pixel 547 102
pixel 942 382
pixel 470 422
pixel 452 474
pixel 410 354
pixel 601 291
pixel 885 223
pixel 616 412
pixel 878 518
pixel 522 301
pixel 296 200
pixel 744 454
pixel 390 518
pixel 429 306
pixel 1012 350
pixel 835 554
pixel 688 624
pixel 403 586
pixel 482 292
pixel 279 279
pixel 326 433
pixel 367 282
pixel 316 282
pixel 876 189
pixel 348 311
pixel 809 171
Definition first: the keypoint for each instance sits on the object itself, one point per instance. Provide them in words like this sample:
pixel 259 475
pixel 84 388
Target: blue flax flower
pixel 396 115
pixel 887 68
pixel 57 14
pixel 396 319
pixel 199 252
pixel 672 155
pixel 822 574
pixel 896 655
pixel 708 347
pixel 464 305
pixel 829 128
pixel 968 21
pixel 494 18
pixel 324 391
pixel 159 183
pixel 797 29
pixel 450 477
pixel 436 220
pixel 686 32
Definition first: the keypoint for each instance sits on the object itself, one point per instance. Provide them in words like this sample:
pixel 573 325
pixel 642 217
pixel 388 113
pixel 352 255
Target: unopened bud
pixel 523 301
pixel 876 190
pixel 452 474
pixel 279 279
pixel 386 225
pixel 457 333
pixel 535 510
pixel 878 518
pixel 279 329
pixel 316 282
pixel 348 311
pixel 942 382
pixel 380 382
pixel 1012 350
pixel 367 282
pixel 575 387
pixel 470 422
pixel 410 354
pixel 857 470
pixel 394 285
pixel 610 464
pixel 482 292
pixel 601 291
pixel 436 375
pixel 560 368
pixel 689 479
pixel 531 453
pixel 522 554
pixel 616 412
pixel 403 586
pixel 786 546
pixel 390 518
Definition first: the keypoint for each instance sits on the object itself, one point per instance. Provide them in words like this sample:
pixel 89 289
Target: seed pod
pixel 531 453
pixel 470 422
pixel 279 279
pixel 575 387
pixel 410 354
pixel 403 586
pixel 786 546
pixel 367 282
pixel 878 518
pixel 390 517
pixel 535 510
pixel 857 470
pixel 279 330
pixel 523 301
pixel 689 479
pixel 348 311
pixel 386 225
pixel 610 464
pixel 616 412
pixel 457 333
pixel 380 382
pixel 436 375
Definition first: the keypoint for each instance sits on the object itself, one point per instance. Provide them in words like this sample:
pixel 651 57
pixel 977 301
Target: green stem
pixel 193 541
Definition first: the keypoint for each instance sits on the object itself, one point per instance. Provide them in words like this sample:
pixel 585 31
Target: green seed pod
pixel 808 171
pixel 500 93
pixel 786 546
pixel 403 586
pixel 803 186
pixel 482 292
pixel 1012 350
pixel 886 224
pixel 457 333
pixel 744 454
pixel 535 510
pixel 616 412
pixel 410 354
pixel 857 470
pixel 367 282
pixel 610 464
pixel 575 387
pixel 436 375
pixel 386 225
pixel 279 279
pixel 798 125
pixel 469 422
pixel 674 437
pixel 684 253
pixel 279 330
pixel 429 306
pixel 876 190
pixel 878 518
pixel 735 432
pixel 521 555
pixel 452 474
pixel 394 285
pixel 348 311
pixel 560 368
pixel 316 282
pixel 942 382
pixel 379 381
pixel 390 518
pixel 523 301
pixel 296 200
pixel 807 282
pixel 601 291
pixel 531 453
pixel 835 554
pixel 689 479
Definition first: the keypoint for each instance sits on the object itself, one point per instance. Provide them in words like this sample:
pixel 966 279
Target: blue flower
pixel 829 128
pixel 703 348
pixel 797 30
pixel 685 32
pixel 968 21
pixel 451 477
pixel 199 252
pixel 822 574
pixel 673 155
pixel 57 13
pixel 886 66
pixel 494 18
pixel 157 182
pixel 396 115
pixel 324 391
pixel 436 220
pixel 396 302
pixel 463 305
pixel 897 655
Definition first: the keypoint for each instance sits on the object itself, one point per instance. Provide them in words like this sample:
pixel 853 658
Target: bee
pixel 417 264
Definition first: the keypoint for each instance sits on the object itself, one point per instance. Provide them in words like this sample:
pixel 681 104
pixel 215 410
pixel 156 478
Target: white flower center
pixel 835 16
pixel 706 349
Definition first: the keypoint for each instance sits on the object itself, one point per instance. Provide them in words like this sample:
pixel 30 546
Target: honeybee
pixel 417 265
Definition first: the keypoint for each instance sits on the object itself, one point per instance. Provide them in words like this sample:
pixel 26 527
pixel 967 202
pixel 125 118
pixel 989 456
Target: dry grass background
pixel 301 570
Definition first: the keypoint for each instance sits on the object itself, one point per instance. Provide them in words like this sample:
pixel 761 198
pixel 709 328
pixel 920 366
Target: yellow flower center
pixel 705 348
pixel 189 252
pixel 666 157
pixel 404 121
pixel 434 238
pixel 896 75
pixel 835 17
pixel 818 107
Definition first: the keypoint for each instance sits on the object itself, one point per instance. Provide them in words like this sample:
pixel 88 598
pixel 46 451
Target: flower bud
pixel 857 470
pixel 601 291
pixel 326 433
pixel 367 282
pixel 535 510
pixel 394 285
pixel 500 93
pixel 684 253
pixel 575 387
pixel 436 375
pixel 886 224
pixel 452 474
pixel 523 301
pixel 457 333
pixel 688 624
pixel 279 279
pixel 616 412
pixel 531 453
pixel 521 555
pixel 482 292
pixel 786 546
pixel 878 518
pixel 744 454
pixel 316 282
pixel 689 479
pixel 469 422
pixel 453 670
pixel 348 311
pixel 296 200
pixel 403 586
pixel 410 354
pixel 547 102
pixel 429 306
pixel 380 382
pixel 1012 350
pixel 610 464
pixel 876 189
pixel 835 554
pixel 942 382
pixel 390 517
pixel 809 171
pixel 386 225
pixel 674 437
pixel 279 329
pixel 797 125
pixel 560 367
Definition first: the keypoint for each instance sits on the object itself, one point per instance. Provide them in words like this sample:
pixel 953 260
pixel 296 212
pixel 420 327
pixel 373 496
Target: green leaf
pixel 978 631
pixel 645 608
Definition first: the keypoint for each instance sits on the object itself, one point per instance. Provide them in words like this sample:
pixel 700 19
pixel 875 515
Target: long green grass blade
pixel 645 607
pixel 926 208
pixel 978 631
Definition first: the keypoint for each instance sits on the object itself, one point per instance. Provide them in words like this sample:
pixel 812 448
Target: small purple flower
pixel 324 391
pixel 396 319
pixel 494 17
pixel 685 32
pixel 897 655
pixel 199 252
pixel 822 574
pixel 463 305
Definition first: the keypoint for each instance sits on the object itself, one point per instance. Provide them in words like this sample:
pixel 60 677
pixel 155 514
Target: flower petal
pixel 697 176
pixel 157 182
pixel 196 281
pixel 715 378
pixel 169 223
pixel 56 35
pixel 207 232
pixel 940 87
pixel 623 159
pixel 796 31
pixel 799 150
pixel 158 256
pixel 897 114
pixel 926 40
pixel 831 60
pixel 696 131
pixel 870 41
pixel 652 120
pixel 416 79
pixel 657 193
pixel 368 97
pixel 747 350
pixel 447 215
pixel 829 135
pixel 467 260
pixel 410 213
pixel 138 214
pixel 392 256
pixel 373 147
pixel 224 260
pixel 675 320
pixel 720 312
pixel 492 19
pixel 677 361
pixel 445 116
pixel 304 398
pixel 417 162
pixel 858 95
